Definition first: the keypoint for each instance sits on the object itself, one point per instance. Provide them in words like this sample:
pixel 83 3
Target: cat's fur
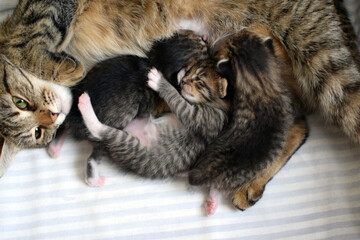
pixel 262 134
pixel 121 92
pixel 45 37
pixel 262 116
pixel 170 144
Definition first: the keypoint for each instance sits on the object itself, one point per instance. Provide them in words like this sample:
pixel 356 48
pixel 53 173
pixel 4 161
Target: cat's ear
pixel 181 74
pixel 7 155
pixel 223 83
pixel 223 66
pixel 269 43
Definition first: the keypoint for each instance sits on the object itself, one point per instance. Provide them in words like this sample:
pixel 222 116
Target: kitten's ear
pixel 7 155
pixel 223 65
pixel 223 87
pixel 181 74
pixel 270 44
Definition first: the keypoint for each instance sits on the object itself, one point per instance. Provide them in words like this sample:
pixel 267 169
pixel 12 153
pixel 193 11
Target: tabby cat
pixel 58 40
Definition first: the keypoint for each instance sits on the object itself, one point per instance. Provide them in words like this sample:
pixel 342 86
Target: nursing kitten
pixel 119 86
pixel 170 144
pixel 265 127
pixel 58 40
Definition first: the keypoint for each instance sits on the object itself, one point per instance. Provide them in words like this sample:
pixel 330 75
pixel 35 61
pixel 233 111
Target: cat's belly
pixel 147 129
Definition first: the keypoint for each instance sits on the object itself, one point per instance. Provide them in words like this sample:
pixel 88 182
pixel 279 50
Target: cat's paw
pixel 54 149
pixel 210 206
pixel 92 175
pixel 154 77
pixel 247 195
pixel 96 182
pixel 84 105
pixel 93 124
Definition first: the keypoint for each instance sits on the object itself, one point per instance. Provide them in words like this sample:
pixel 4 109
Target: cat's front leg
pixel 155 78
pixel 183 110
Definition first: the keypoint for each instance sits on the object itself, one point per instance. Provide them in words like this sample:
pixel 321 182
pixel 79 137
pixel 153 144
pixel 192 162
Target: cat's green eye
pixel 37 133
pixel 20 103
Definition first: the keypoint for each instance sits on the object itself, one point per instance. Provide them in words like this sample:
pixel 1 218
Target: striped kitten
pixel 265 127
pixel 57 40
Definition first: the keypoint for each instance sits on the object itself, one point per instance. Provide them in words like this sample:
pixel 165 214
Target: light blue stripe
pixel 221 228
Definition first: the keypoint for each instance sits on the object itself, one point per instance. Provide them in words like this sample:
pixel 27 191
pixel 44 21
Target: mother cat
pixel 58 40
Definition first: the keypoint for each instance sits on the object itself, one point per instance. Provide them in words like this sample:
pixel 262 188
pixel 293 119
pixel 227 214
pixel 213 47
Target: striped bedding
pixel 315 196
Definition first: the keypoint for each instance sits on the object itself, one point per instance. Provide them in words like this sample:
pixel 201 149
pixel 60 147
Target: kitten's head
pixel 200 83
pixel 31 110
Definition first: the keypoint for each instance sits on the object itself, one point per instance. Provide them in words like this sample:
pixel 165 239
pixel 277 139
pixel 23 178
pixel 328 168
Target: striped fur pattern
pixel 353 7
pixel 170 144
pixel 262 114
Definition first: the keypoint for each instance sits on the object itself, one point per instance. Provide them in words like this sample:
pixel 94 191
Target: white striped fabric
pixel 315 196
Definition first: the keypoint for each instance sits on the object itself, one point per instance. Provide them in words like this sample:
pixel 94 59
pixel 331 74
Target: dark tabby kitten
pixel 57 39
pixel 263 131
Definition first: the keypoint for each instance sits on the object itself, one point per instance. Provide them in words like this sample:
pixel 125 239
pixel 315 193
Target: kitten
pixel 59 40
pixel 121 93
pixel 265 127
pixel 170 144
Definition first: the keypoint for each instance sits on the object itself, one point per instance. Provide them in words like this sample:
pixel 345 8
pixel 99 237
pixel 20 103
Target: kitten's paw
pixel 84 104
pixel 93 124
pixel 210 207
pixel 54 149
pixel 247 195
pixel 96 181
pixel 154 77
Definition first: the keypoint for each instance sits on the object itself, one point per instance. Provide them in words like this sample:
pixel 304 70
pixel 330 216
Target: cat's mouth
pixel 63 103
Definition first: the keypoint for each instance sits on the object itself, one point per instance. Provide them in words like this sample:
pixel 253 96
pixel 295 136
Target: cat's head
pixel 200 83
pixel 31 110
